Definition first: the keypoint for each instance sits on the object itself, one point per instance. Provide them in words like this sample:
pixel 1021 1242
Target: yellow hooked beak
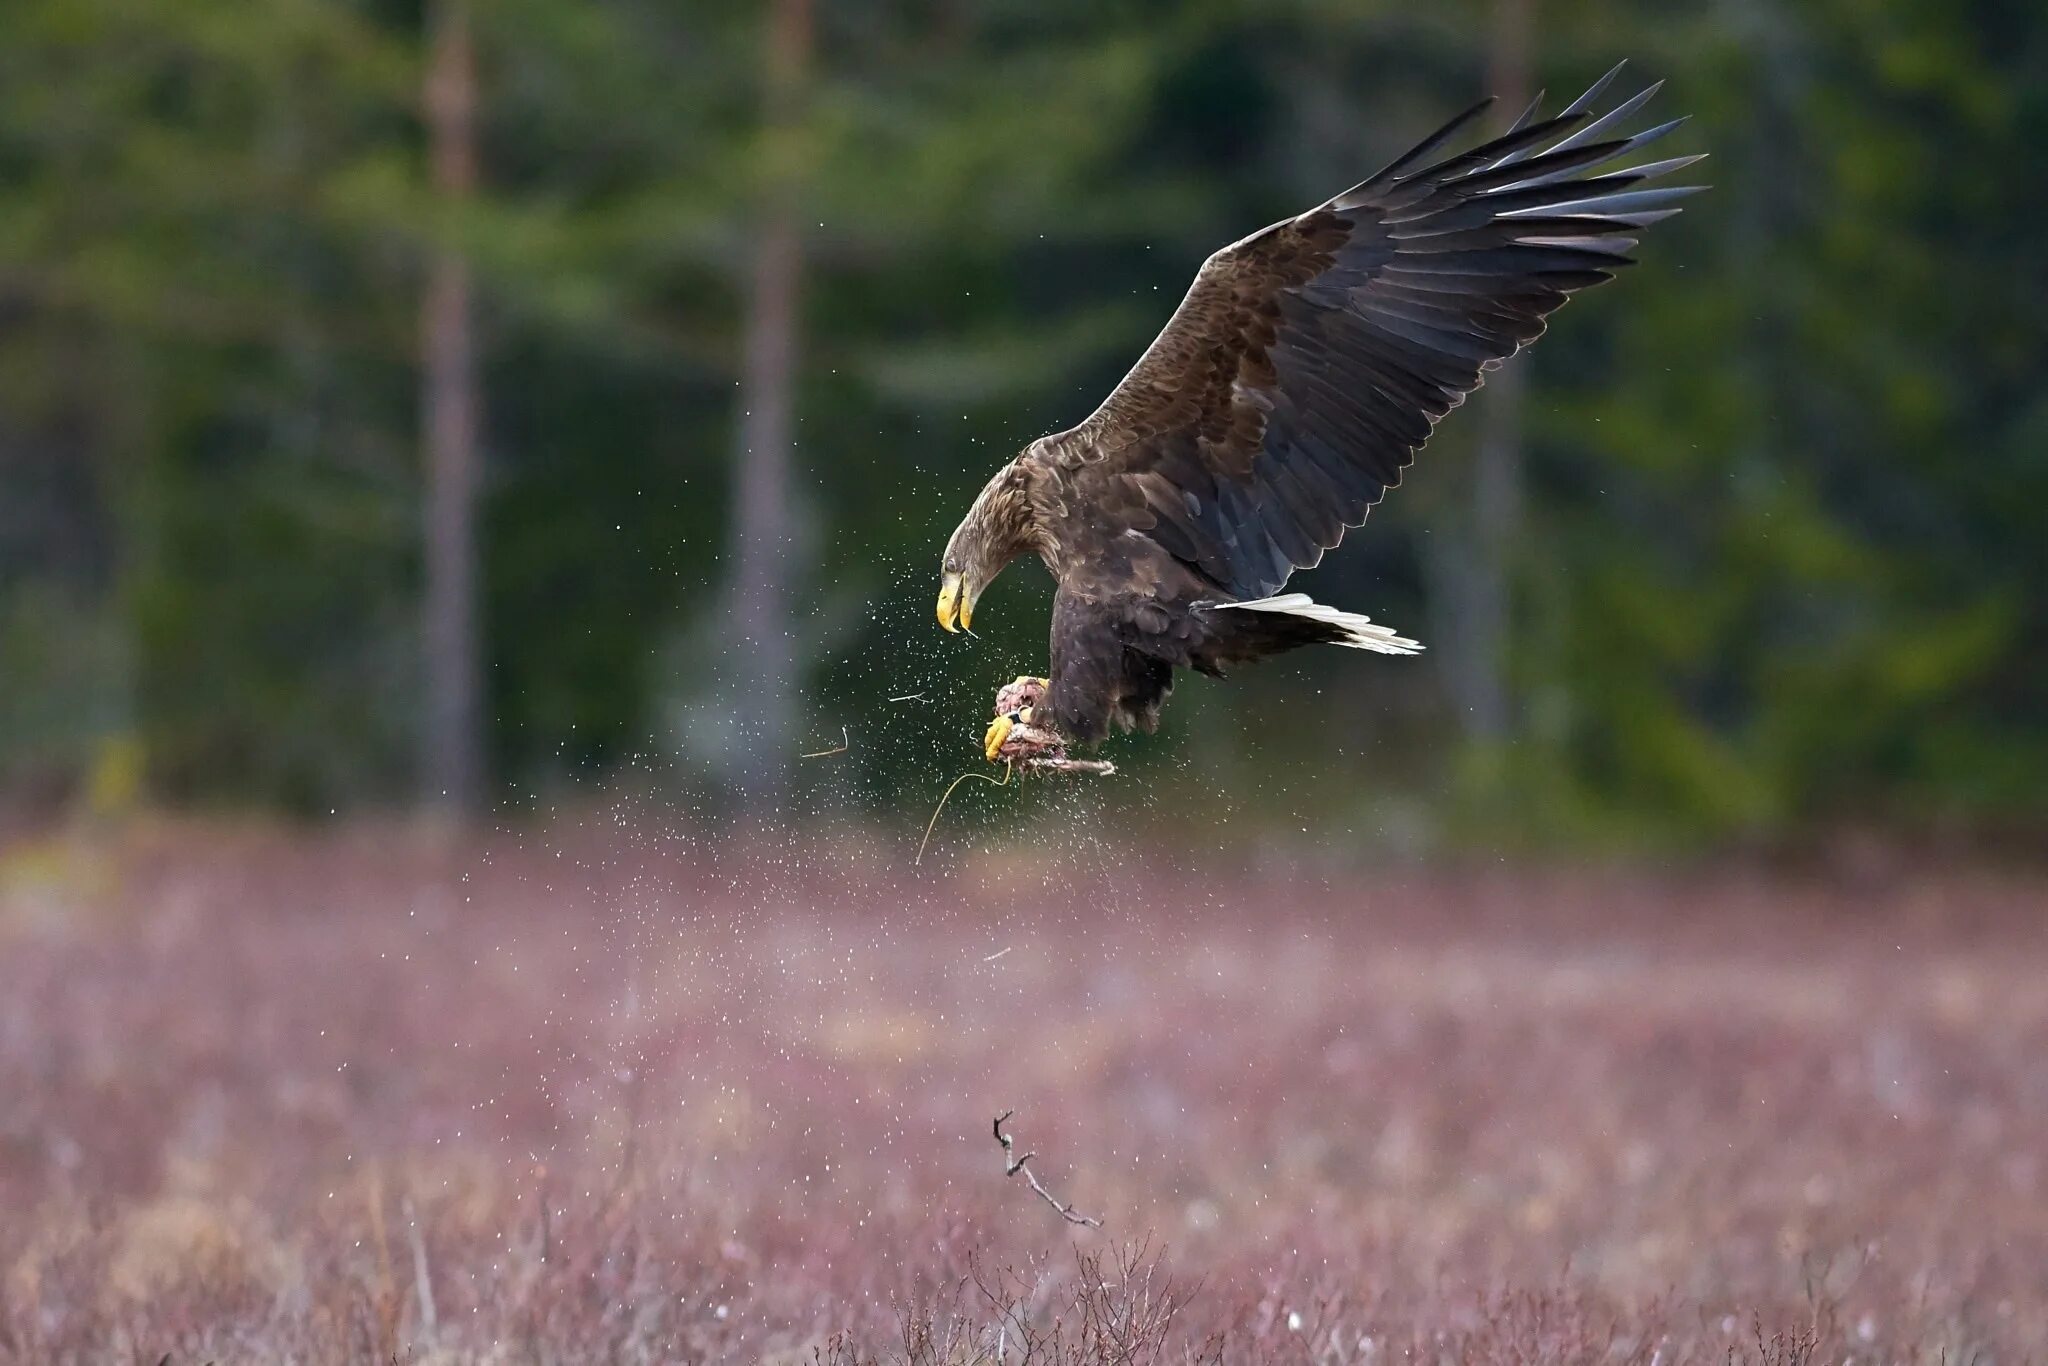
pixel 955 606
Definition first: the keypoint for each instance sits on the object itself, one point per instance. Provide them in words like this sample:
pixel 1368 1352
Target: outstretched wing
pixel 1310 361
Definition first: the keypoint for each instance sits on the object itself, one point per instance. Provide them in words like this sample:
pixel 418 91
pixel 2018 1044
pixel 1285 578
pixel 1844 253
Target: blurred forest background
pixel 481 403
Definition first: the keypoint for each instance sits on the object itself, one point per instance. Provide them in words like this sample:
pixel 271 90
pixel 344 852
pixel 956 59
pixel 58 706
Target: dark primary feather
pixel 1309 361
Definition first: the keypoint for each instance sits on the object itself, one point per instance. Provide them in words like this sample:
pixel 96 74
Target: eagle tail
pixel 1342 628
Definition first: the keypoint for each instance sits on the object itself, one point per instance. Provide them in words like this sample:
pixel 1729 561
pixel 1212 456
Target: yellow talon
pixel 998 731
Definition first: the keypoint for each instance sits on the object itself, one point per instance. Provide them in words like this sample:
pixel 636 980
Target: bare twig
pixel 909 697
pixel 1012 768
pixel 387 1280
pixel 998 954
pixel 845 742
pixel 423 1282
pixel 928 825
pixel 1013 1165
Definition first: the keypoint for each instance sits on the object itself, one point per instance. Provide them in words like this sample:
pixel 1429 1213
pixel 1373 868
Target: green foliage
pixel 1781 562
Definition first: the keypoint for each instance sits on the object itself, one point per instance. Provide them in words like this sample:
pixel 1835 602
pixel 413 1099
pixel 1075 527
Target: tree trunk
pixel 762 508
pixel 452 753
pixel 1479 584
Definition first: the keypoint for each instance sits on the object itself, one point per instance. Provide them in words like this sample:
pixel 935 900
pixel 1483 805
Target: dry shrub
pixel 592 1099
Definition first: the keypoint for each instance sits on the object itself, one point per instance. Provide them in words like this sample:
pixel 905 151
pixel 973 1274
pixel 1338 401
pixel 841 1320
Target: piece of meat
pixel 1023 693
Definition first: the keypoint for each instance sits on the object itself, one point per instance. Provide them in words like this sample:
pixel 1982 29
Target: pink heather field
pixel 590 1094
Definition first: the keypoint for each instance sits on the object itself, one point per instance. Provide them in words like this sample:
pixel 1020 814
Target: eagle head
pixel 996 530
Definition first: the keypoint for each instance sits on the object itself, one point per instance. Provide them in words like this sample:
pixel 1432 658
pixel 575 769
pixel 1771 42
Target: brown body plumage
pixel 1295 382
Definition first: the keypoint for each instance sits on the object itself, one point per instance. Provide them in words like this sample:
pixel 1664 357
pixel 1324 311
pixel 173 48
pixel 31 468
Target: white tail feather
pixel 1359 632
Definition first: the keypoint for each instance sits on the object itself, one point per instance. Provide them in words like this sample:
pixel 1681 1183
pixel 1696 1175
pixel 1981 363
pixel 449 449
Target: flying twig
pixel 845 741
pixel 1008 771
pixel 909 697
pixel 1014 1165
pixel 1013 768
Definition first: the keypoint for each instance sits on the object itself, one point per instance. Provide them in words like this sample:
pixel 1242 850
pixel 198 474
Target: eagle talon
pixel 998 731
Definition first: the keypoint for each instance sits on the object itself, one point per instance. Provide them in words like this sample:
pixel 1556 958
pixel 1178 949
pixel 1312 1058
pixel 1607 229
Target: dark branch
pixel 1013 1165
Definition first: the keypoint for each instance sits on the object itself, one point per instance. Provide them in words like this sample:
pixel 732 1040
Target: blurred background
pixel 493 402
pixel 472 481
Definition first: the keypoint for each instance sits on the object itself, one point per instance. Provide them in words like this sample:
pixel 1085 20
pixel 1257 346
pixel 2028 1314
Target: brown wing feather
pixel 1309 361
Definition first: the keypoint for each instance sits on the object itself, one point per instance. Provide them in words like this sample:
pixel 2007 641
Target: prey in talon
pixel 1288 392
pixel 1012 736
pixel 1015 738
